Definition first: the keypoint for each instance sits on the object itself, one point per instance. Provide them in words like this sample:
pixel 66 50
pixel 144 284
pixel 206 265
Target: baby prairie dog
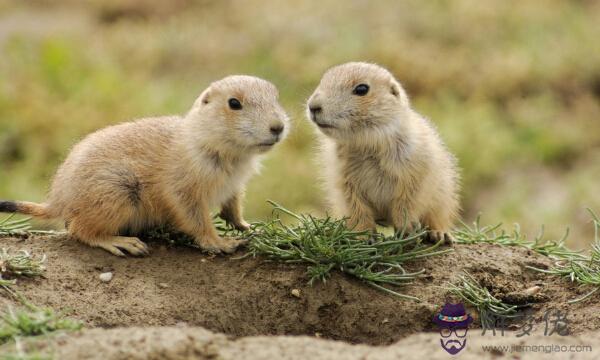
pixel 384 162
pixel 171 169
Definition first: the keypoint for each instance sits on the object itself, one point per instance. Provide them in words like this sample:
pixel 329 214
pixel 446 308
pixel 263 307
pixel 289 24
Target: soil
pixel 157 343
pixel 179 303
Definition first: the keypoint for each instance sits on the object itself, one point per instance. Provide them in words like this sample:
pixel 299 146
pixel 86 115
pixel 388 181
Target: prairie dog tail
pixel 24 207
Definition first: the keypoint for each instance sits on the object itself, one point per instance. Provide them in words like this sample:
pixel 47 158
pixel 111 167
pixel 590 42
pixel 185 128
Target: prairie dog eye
pixel 361 90
pixel 234 104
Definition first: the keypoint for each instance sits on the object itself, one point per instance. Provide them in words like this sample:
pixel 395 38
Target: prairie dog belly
pixel 374 184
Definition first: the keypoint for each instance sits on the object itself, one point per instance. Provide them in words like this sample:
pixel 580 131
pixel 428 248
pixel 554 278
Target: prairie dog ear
pixel 202 100
pixel 205 97
pixel 397 90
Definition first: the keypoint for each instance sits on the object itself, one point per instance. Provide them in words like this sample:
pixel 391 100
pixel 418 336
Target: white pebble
pixel 296 293
pixel 106 277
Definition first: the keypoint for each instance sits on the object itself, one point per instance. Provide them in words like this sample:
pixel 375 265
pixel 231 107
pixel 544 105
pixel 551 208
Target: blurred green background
pixel 514 87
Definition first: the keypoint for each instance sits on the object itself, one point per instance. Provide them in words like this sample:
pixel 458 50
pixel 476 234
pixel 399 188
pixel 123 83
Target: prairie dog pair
pixel 384 162
pixel 167 169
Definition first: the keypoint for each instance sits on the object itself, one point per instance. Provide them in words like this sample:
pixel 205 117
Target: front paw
pixel 241 225
pixel 218 244
pixel 435 236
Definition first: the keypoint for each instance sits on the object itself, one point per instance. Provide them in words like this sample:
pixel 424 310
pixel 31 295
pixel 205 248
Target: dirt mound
pixel 172 343
pixel 250 297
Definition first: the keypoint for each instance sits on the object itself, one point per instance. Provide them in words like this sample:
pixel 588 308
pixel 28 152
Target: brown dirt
pixel 252 297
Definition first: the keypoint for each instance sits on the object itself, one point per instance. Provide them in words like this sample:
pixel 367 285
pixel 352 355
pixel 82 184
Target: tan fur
pixel 384 162
pixel 168 170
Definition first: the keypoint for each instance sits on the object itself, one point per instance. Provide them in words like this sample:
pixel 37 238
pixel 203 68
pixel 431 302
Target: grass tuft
pixel 477 233
pixel 326 244
pixel 10 227
pixel 33 321
pixel 585 270
pixel 21 263
pixel 19 227
pixel 489 307
pixel 30 321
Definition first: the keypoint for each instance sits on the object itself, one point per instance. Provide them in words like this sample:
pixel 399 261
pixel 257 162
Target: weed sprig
pixel 10 227
pixel 477 233
pixel 584 270
pixel 21 263
pixel 326 244
pixel 33 321
pixel 489 307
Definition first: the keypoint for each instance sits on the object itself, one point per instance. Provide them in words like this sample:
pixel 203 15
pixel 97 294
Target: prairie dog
pixel 168 169
pixel 384 162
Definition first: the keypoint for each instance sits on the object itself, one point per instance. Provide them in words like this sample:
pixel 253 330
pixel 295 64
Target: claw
pixel 116 244
pixel 435 236
pixel 218 245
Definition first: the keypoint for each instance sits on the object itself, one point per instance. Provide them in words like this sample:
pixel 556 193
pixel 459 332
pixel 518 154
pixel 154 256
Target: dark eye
pixel 235 104
pixel 361 90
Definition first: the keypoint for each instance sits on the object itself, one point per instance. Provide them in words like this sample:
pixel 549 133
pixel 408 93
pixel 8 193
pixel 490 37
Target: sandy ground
pixel 196 343
pixel 181 304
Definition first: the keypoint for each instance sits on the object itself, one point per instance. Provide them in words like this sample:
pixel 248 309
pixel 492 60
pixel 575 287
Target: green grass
pixel 584 270
pixel 33 321
pixel 10 227
pixel 476 233
pixel 28 322
pixel 489 307
pixel 326 244
pixel 19 263
pixel 576 266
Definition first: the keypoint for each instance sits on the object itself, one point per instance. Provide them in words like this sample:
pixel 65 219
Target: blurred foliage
pixel 514 87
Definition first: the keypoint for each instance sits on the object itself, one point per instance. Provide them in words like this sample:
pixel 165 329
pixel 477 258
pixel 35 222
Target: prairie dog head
pixel 240 113
pixel 357 99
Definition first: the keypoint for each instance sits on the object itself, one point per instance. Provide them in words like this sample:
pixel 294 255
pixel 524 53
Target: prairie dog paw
pixel 116 244
pixel 242 225
pixel 435 236
pixel 220 244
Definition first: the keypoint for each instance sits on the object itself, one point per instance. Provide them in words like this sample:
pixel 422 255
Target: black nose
pixel 276 129
pixel 315 109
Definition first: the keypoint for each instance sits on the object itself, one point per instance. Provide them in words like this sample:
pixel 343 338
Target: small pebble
pixel 385 321
pixel 533 290
pixel 163 285
pixel 106 277
pixel 296 293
